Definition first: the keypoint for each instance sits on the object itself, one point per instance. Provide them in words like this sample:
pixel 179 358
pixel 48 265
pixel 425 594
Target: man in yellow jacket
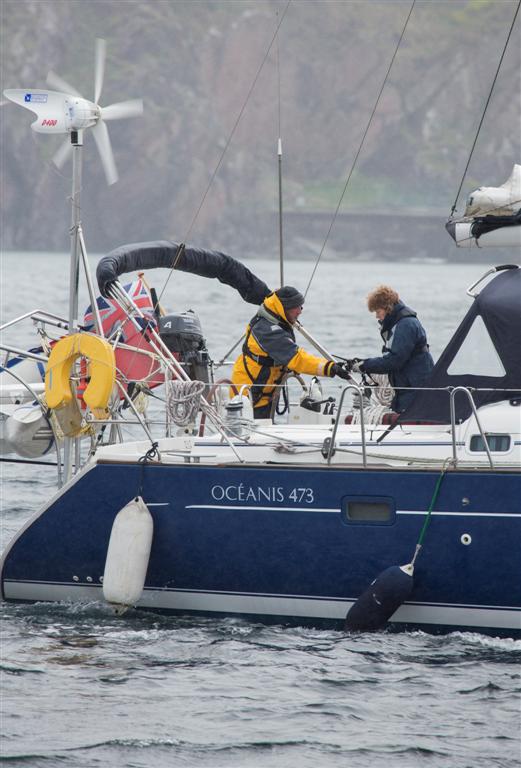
pixel 270 351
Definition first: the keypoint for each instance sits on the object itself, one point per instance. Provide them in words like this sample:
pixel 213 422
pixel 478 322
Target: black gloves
pixel 337 369
pixel 355 364
pixel 344 369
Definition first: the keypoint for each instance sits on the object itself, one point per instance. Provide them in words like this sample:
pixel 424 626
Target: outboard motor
pixel 183 335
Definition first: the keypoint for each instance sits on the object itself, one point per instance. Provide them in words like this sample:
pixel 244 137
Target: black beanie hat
pixel 290 297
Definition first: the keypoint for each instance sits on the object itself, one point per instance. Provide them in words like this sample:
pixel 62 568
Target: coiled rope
pixel 183 399
pixel 383 393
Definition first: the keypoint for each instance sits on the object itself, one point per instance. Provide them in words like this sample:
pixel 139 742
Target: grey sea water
pixel 81 687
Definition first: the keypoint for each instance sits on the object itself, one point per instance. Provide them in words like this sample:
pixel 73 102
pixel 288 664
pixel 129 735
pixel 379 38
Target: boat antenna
pixel 485 109
pixel 279 153
pixel 360 147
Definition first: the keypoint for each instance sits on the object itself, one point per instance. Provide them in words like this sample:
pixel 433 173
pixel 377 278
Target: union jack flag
pixel 131 365
pixel 113 316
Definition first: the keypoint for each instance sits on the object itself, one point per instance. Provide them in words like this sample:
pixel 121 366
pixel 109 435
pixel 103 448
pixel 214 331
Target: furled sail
pixel 500 201
pixel 164 253
pixel 492 216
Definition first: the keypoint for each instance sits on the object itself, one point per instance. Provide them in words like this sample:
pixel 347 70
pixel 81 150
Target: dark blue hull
pixel 286 542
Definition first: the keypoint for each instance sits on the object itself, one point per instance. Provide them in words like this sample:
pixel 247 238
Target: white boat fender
pixel 381 599
pixel 128 554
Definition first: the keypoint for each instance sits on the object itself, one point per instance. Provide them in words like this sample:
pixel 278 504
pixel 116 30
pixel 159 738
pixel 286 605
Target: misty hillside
pixel 210 82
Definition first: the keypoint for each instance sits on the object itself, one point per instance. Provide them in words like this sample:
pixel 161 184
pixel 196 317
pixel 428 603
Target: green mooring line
pixel 431 507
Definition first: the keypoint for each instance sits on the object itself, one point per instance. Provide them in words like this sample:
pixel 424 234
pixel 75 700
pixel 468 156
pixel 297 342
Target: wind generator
pixel 67 111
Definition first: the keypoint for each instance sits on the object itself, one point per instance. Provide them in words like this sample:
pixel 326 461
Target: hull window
pixel 368 510
pixel 499 443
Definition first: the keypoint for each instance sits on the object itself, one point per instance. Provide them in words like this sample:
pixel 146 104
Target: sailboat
pixel 311 519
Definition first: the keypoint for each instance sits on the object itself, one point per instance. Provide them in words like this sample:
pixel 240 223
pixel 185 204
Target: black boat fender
pixel 391 588
pixel 381 599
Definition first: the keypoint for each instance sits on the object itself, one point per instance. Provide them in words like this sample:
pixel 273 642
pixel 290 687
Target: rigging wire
pixel 230 137
pixel 485 109
pixel 237 121
pixel 360 147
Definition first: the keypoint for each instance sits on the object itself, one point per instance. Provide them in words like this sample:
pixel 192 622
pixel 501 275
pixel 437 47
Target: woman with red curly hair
pixel 405 354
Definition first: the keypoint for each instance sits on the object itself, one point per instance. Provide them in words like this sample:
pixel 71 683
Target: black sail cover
pixel 484 224
pixel 485 352
pixel 164 253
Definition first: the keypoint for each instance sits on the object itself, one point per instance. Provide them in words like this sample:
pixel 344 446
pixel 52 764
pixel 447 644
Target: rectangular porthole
pixel 499 443
pixel 368 510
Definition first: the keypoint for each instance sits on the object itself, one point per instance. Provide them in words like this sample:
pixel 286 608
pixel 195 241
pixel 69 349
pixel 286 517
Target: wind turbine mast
pixel 66 111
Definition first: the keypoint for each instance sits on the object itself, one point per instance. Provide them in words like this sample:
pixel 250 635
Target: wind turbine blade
pixel 63 153
pixel 122 109
pixel 101 52
pixel 102 139
pixel 55 81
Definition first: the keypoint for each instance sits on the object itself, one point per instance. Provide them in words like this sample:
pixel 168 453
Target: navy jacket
pixel 406 358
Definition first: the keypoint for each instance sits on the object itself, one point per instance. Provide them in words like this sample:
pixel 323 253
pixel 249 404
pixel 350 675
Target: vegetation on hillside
pixel 194 65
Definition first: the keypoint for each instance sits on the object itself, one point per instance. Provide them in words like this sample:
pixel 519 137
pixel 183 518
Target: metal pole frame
pixel 70 444
pixel 331 446
pixel 56 442
pixel 157 343
pixel 453 424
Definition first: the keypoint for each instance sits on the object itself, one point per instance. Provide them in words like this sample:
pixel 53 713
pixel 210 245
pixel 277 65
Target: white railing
pixel 118 421
pixel 467 392
pixel 328 450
